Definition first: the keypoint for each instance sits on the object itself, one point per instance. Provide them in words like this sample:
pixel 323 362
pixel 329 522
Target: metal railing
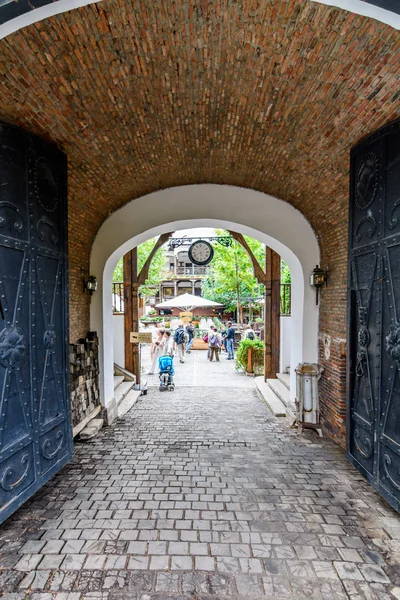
pixel 189 271
pixel 118 298
pixel 286 299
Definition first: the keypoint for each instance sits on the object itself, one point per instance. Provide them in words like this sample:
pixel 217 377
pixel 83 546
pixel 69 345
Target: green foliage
pixel 285 273
pixel 157 271
pixel 257 347
pixel 230 279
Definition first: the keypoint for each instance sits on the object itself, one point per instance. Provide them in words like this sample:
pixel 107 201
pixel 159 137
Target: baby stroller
pixel 166 367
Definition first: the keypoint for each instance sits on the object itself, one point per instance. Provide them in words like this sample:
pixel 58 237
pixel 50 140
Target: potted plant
pixel 250 356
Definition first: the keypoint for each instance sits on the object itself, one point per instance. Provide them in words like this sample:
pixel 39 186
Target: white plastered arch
pixel 358 7
pixel 274 222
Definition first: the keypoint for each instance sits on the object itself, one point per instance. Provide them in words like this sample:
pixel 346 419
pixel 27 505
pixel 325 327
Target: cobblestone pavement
pixel 198 371
pixel 203 495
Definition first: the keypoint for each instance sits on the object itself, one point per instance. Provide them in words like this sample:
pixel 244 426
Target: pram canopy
pixel 166 364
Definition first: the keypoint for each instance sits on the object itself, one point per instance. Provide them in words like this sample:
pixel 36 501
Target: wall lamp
pixel 318 279
pixel 90 285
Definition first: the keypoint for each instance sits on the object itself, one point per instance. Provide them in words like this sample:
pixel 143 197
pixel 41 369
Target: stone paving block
pixel 181 563
pixel 204 563
pixel 137 547
pixel 157 548
pixel 348 570
pixel 138 562
pixel 374 573
pixel 73 562
pixel 198 548
pixel 28 562
pixel 35 580
pixel 178 548
pixel 167 582
pixel 250 565
pixel 159 563
pixel 32 547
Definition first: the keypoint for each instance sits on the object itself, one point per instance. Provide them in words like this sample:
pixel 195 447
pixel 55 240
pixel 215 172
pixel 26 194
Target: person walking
pixel 214 343
pixel 223 335
pixel 209 334
pixel 230 337
pixel 168 347
pixel 157 349
pixel 249 332
pixel 190 334
pixel 179 341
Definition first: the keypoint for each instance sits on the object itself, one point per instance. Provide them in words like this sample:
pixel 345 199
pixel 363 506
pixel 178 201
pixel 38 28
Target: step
pixel 122 390
pixel 280 390
pixel 283 394
pixel 91 429
pixel 118 379
pixel 284 378
pixel 126 403
pixel 127 375
pixel 265 394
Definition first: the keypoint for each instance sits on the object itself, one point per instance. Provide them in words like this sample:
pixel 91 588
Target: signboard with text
pixel 140 337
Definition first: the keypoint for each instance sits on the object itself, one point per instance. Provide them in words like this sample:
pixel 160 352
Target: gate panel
pixel 35 429
pixel 374 312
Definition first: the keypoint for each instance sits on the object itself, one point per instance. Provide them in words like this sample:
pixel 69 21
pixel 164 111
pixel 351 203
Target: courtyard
pixel 202 493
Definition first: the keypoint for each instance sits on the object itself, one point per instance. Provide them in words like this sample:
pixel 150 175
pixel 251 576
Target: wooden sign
pixel 140 337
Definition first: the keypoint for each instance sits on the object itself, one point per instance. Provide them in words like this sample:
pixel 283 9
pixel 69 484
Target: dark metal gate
pixel 373 371
pixel 35 428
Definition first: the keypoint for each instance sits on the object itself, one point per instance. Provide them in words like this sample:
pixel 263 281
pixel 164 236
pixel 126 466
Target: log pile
pixel 84 377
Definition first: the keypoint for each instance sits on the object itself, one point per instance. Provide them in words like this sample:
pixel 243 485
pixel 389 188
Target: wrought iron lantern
pixel 91 284
pixel 318 279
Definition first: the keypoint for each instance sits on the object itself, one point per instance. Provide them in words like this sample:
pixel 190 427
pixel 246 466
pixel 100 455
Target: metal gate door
pixel 373 371
pixel 35 429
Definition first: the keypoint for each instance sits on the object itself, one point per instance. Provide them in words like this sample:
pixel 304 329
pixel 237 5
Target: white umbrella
pixel 187 302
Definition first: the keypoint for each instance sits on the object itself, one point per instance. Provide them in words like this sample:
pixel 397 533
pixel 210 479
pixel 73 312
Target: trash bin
pixel 307 377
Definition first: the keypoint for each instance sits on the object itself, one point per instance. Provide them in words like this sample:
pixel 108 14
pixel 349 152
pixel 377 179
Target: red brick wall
pixel 269 95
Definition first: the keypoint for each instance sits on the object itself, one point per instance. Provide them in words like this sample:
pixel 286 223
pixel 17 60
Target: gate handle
pixel 1 311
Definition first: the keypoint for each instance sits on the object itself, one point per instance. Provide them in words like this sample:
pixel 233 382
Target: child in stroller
pixel 166 367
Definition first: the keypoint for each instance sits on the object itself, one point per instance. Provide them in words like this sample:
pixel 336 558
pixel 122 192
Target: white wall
pixel 118 340
pixel 274 222
pixel 286 334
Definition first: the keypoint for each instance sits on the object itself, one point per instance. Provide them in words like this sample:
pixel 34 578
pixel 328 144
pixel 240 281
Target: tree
pixel 230 279
pixel 157 271
pixel 285 273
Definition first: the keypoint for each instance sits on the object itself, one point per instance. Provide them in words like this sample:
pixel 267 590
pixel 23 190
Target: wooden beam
pixel 258 271
pixel 144 273
pixel 272 313
pixel 132 282
pixel 128 311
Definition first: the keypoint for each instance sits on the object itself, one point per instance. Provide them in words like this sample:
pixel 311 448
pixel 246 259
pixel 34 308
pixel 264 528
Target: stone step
pixel 127 375
pixel 266 394
pixel 118 379
pixel 280 390
pixel 284 378
pixel 122 390
pixel 91 429
pixel 126 403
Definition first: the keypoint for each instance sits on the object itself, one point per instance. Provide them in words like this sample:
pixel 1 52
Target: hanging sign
pixel 140 337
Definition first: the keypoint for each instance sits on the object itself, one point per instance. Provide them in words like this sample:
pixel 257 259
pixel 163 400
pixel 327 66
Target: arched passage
pixel 274 222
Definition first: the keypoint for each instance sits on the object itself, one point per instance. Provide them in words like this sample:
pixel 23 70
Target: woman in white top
pixel 157 350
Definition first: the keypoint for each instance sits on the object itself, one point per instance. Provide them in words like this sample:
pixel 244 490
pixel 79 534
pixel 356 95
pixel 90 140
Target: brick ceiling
pixel 267 94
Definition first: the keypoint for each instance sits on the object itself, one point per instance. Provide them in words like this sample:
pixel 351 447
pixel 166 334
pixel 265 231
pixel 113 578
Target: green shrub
pixel 257 347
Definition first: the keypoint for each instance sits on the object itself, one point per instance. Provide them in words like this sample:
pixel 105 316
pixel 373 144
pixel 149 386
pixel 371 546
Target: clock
pixel 201 253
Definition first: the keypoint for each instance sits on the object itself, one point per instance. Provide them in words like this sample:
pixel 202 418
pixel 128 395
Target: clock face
pixel 201 253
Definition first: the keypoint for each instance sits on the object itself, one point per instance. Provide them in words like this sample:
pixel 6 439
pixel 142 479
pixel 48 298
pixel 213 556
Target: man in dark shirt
pixel 230 336
pixel 190 333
